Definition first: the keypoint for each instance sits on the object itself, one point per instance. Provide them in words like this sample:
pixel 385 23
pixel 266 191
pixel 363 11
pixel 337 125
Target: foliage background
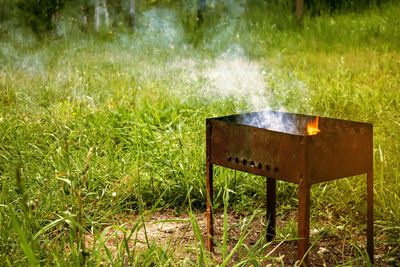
pixel 98 124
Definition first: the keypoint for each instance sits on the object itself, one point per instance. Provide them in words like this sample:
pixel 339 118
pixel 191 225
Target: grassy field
pixel 97 127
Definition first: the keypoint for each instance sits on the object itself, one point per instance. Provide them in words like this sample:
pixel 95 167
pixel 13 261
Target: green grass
pixel 94 127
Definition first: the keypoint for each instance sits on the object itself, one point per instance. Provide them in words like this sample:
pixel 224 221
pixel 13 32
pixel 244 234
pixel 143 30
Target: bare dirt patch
pixel 174 233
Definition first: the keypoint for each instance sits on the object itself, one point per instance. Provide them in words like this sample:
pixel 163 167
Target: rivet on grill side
pixel 267 167
pixel 244 161
pixel 259 166
pixel 252 164
pixel 237 160
pixel 229 158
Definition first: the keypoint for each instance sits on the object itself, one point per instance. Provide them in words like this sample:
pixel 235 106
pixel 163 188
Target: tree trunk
pixel 201 8
pixel 299 11
pixel 99 12
pixel 97 15
pixel 84 17
pixel 131 21
pixel 106 16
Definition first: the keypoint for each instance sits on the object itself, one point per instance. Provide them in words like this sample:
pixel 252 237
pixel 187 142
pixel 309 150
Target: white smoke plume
pixel 230 75
pixel 158 53
pixel 235 76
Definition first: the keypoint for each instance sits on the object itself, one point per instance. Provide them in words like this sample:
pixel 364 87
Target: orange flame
pixel 312 127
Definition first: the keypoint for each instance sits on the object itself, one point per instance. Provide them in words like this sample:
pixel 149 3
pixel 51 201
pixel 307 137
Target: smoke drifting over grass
pixel 250 84
pixel 233 75
pixel 158 52
pixel 160 29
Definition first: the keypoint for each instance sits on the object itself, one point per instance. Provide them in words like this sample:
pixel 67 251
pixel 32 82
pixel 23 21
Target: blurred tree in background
pixel 316 7
pixel 40 15
pixel 43 15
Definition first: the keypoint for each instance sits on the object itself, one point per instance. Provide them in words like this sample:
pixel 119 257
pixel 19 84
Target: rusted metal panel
pixel 257 151
pixel 341 149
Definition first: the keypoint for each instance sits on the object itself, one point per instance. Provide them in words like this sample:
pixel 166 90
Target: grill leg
pixel 201 7
pixel 271 208
pixel 210 193
pixel 303 222
pixel 370 216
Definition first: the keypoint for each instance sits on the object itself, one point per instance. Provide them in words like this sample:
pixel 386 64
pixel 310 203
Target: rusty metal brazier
pixel 342 148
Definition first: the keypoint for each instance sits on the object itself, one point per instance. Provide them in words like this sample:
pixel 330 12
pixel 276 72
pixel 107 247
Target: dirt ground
pixel 174 232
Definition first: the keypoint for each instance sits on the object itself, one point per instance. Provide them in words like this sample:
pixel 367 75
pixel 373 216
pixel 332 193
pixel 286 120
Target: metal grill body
pixel 342 148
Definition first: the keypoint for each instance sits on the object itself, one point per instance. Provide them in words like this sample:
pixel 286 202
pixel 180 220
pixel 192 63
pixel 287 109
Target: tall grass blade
pixel 23 241
pixel 48 227
pixel 225 225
